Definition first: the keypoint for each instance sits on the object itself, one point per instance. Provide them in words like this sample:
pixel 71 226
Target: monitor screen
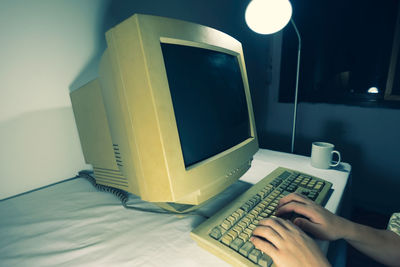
pixel 208 99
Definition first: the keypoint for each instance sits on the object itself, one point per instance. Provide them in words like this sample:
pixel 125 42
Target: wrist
pixel 347 229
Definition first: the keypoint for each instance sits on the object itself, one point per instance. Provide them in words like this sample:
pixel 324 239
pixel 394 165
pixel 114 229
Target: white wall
pixel 50 47
pixel 47 47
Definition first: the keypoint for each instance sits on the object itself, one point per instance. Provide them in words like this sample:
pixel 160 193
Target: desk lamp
pixel 268 17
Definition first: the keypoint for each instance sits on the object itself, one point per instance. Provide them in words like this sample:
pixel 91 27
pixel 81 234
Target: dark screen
pixel 209 100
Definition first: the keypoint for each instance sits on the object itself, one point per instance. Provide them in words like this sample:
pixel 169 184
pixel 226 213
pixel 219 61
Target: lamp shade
pixel 268 16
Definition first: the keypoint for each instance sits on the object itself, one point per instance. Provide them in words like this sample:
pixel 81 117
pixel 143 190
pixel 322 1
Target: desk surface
pixel 72 224
pixel 265 161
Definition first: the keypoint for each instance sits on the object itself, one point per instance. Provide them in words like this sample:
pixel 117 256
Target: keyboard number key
pixel 240 212
pixel 231 219
pixel 236 216
pixel 246 207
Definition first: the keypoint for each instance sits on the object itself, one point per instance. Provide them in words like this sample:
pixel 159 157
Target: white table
pixel 265 161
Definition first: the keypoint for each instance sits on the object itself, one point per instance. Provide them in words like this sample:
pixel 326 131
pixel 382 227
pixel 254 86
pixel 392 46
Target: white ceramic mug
pixel 321 155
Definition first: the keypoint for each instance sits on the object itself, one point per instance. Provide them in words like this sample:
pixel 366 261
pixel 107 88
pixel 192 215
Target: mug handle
pixel 339 158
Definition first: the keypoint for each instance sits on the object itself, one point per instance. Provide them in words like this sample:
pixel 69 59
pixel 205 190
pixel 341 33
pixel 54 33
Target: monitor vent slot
pixel 117 154
pixel 113 178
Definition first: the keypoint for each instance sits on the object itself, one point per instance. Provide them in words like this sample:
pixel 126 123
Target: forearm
pixel 381 245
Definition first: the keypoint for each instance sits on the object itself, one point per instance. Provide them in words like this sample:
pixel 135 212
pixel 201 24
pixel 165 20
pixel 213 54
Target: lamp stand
pixel 297 85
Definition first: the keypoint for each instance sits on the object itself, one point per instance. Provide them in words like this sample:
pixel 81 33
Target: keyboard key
pixel 251 227
pixel 246 207
pixel 227 239
pixel 246 220
pixel 318 187
pixel 237 244
pixel 284 175
pixel 285 193
pixel 257 199
pixel 254 212
pixel 241 212
pixel 291 188
pixel 237 229
pixel 305 192
pixel 245 237
pixel 258 208
pixel 273 205
pixel 226 224
pixel 269 210
pixel 249 231
pixel 265 260
pixel 216 233
pixel 250 216
pixel 313 195
pixel 233 233
pixel 262 194
pixel 231 219
pixel 246 249
pixel 236 216
pixel 266 202
pixel 242 224
pixel 254 255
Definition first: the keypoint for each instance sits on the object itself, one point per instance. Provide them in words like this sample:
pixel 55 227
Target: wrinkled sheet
pixel 73 224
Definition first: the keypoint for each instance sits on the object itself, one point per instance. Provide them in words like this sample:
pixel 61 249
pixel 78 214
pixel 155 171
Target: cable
pixel 123 196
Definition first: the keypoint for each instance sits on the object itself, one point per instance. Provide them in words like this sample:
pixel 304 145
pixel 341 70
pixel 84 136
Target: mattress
pixel 73 224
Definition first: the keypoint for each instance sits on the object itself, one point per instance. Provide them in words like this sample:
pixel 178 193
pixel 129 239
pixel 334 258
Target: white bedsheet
pixel 72 224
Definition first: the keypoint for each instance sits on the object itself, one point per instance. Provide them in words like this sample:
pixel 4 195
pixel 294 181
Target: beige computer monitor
pixel 126 120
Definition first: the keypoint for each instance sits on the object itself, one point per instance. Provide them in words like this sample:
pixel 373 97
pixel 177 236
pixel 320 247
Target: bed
pixel 73 224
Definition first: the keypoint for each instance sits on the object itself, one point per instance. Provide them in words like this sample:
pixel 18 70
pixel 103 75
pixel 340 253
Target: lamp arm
pixel 297 85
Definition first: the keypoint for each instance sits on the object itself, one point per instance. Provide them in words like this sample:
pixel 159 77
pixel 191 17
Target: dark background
pixel 347 47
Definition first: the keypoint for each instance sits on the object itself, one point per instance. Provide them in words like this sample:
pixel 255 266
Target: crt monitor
pixel 170 117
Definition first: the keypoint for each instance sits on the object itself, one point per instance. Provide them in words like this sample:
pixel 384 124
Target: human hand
pixel 287 244
pixel 319 222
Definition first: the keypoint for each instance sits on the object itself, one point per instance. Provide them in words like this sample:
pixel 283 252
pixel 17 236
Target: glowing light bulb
pixel 268 16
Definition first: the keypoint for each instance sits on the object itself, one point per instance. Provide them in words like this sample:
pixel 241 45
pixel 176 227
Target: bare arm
pixel 381 245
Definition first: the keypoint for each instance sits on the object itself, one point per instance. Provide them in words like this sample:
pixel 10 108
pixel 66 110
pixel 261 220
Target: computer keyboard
pixel 227 233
